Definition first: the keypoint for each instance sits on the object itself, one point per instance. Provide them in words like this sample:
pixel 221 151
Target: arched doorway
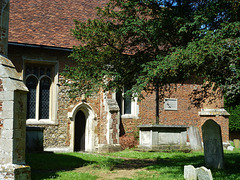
pixel 79 131
pixel 82 112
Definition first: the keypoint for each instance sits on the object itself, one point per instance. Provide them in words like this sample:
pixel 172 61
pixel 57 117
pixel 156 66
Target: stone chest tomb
pixel 157 137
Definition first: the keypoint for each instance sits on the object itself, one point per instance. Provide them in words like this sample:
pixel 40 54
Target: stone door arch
pixel 82 115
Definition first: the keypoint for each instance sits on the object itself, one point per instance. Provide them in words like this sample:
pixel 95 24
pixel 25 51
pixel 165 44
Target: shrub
pixel 127 141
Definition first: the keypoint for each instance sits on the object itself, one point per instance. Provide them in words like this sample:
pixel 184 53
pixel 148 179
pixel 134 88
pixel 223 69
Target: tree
pixel 125 37
pixel 214 53
pixel 144 45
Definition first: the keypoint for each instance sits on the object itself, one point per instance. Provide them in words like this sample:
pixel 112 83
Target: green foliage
pixel 234 119
pixel 141 44
pixel 213 54
pixel 214 57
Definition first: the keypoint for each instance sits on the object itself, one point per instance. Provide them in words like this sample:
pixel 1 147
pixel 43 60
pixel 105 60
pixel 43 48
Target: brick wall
pixel 222 121
pixel 102 125
pixel 114 127
pixel 190 101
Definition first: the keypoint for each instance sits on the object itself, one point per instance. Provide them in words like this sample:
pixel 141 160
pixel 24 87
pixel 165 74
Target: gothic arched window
pixel 38 81
pixel 31 84
pixel 44 100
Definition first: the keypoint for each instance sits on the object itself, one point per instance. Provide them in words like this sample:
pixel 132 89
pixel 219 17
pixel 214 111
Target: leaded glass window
pixel 31 84
pixel 45 84
pixel 119 100
pixel 127 105
pixel 48 72
pixel 124 102
pixel 38 80
pixel 28 70
pixel 42 71
pixel 35 71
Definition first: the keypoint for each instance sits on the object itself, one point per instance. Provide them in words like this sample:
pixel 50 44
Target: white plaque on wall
pixel 170 104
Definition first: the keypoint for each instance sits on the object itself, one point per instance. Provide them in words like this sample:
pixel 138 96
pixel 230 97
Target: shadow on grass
pixel 174 165
pixel 46 165
pixel 232 167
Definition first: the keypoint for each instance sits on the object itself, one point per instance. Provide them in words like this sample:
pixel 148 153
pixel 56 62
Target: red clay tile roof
pixel 48 22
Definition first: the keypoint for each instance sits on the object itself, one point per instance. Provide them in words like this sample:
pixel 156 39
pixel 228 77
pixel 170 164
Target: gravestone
pixel 236 143
pixel 204 174
pixel 213 148
pixel 194 138
pixel 230 148
pixel 190 172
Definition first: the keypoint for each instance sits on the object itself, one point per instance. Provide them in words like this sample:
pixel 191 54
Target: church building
pixel 39 45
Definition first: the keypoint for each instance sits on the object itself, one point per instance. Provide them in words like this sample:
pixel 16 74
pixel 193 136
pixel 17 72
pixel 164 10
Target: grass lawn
pixel 125 165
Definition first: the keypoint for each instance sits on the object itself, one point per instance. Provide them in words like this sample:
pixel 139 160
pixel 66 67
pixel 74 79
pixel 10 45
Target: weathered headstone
pixel 190 172
pixel 194 138
pixel 204 174
pixel 213 148
pixel 236 143
pixel 230 148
